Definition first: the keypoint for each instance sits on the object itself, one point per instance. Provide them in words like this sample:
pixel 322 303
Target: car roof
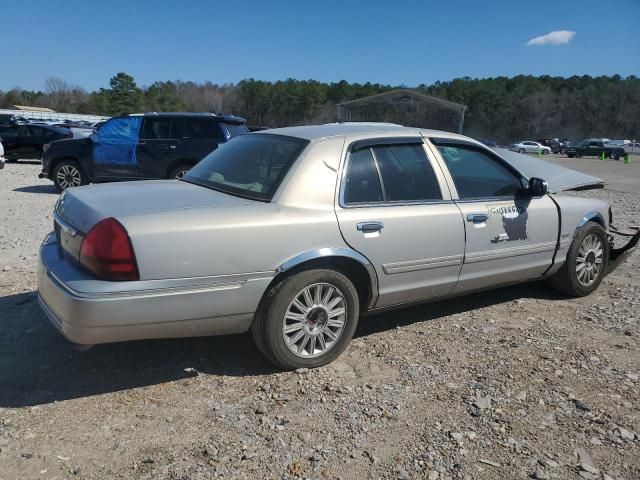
pixel 315 132
pixel 220 118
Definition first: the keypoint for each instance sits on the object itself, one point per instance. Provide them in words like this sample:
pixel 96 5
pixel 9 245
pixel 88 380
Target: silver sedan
pixel 294 233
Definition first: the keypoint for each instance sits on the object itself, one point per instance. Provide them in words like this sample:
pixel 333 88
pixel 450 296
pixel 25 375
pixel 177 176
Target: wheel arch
pixel 355 266
pixel 593 216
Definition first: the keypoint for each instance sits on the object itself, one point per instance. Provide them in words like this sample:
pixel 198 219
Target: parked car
pixel 528 146
pixel 552 143
pixel 595 148
pixel 27 141
pixel 632 147
pixel 146 146
pixel 293 233
pixel 489 143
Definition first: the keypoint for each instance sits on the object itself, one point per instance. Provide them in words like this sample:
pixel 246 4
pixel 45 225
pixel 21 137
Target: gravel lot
pixel 515 383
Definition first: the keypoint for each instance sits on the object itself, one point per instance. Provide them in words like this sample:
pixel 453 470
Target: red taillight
pixel 106 250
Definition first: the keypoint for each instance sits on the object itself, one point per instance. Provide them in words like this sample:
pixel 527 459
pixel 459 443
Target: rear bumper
pixel 97 316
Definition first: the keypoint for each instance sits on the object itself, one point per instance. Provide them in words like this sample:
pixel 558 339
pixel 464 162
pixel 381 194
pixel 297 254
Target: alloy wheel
pixel 314 320
pixel 68 176
pixel 589 260
pixel 180 174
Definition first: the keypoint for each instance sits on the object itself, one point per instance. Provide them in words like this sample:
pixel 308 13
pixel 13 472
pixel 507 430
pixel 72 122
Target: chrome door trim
pixel 422 264
pixel 509 252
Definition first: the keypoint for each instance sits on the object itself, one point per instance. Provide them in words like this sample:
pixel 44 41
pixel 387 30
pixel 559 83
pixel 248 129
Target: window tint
pixel 478 175
pixel 203 128
pixel 8 132
pixel 156 128
pixel 406 173
pixel 38 131
pixel 249 165
pixel 362 183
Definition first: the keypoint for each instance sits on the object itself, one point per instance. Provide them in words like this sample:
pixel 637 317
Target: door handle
pixel 477 217
pixel 368 227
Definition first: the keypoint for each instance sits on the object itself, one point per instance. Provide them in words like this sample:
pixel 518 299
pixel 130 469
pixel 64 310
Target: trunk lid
pixel 82 207
pixel 558 178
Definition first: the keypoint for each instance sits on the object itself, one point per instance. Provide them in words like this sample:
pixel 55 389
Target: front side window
pixel 478 175
pixel 251 166
pixel 120 130
pixel 390 173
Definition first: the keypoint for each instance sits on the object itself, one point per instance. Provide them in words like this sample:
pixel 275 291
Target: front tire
pixel 522 150
pixel 68 174
pixel 586 262
pixel 307 320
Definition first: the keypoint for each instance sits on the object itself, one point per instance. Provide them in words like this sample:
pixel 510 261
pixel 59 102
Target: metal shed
pixel 407 107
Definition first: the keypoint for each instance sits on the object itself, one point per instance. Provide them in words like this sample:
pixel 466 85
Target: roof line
pixel 413 93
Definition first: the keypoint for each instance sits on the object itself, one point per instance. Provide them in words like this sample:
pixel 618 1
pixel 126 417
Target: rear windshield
pixel 251 166
pixel 236 129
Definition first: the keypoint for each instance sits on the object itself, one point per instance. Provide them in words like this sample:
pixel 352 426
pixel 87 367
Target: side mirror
pixel 537 187
pixel 94 137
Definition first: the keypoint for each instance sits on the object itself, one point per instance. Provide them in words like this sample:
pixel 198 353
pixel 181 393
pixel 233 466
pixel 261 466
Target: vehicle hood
pixel 83 207
pixel 558 178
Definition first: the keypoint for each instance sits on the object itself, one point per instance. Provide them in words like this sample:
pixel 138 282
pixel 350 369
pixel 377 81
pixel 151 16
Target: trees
pixel 501 108
pixel 123 97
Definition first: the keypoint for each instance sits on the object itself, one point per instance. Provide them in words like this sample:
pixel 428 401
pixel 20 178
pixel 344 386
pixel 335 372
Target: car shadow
pixel 38 189
pixel 38 366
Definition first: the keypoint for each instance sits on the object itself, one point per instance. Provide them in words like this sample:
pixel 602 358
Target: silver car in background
pixel 294 233
pixel 529 146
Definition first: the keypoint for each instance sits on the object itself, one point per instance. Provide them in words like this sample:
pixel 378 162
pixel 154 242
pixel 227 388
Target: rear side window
pixel 478 175
pixel 156 129
pixel 236 129
pixel 406 173
pixel 200 128
pixel 390 173
pixel 363 182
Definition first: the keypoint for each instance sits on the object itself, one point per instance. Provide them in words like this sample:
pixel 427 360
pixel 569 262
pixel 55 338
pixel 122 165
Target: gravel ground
pixel 515 383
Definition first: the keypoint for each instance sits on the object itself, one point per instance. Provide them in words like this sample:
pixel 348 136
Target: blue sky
pixel 396 42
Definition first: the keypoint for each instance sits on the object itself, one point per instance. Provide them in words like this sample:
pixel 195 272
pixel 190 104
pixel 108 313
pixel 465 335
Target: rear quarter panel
pixel 259 237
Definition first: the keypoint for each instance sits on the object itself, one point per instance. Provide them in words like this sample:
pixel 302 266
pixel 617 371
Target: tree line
pixel 500 108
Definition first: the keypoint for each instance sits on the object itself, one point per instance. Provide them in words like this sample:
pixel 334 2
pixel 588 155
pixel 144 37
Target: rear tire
pixel 294 329
pixel 586 262
pixel 522 150
pixel 180 171
pixel 67 174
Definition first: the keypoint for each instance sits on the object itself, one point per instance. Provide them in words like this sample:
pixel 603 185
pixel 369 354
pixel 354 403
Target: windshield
pixel 250 165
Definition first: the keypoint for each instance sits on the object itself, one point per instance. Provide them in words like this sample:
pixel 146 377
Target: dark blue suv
pixel 139 147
